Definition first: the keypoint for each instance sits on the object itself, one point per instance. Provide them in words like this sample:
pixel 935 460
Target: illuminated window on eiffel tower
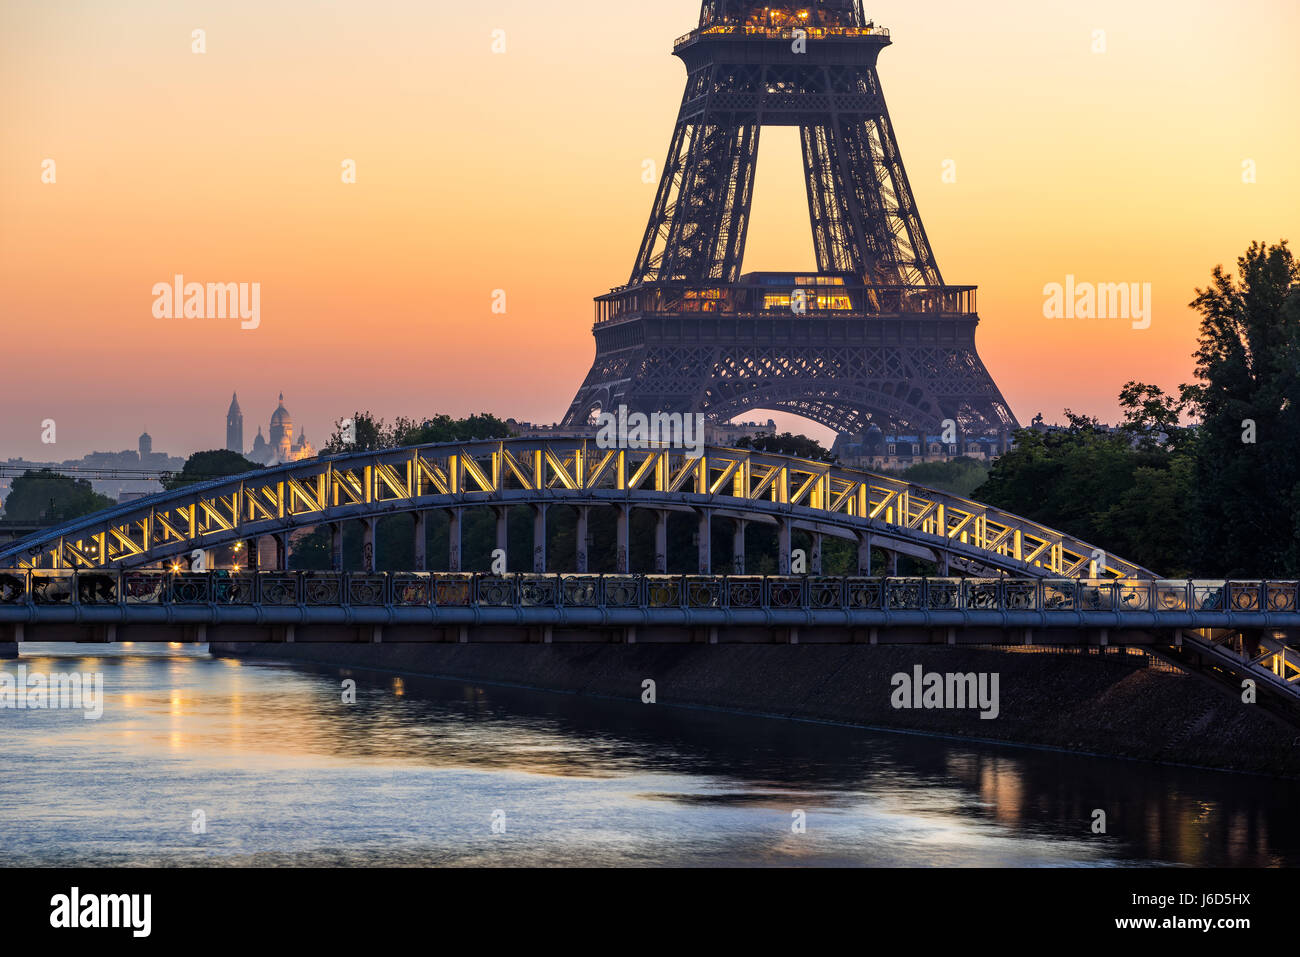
pixel 819 13
pixel 823 302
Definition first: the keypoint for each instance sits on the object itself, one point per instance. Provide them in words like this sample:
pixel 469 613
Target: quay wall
pixel 1107 704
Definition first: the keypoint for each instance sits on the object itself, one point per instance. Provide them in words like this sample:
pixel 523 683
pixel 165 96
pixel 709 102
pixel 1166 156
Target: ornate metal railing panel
pixel 1070 598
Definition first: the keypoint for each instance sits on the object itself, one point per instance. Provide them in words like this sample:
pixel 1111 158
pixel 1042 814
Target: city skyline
pixel 1102 173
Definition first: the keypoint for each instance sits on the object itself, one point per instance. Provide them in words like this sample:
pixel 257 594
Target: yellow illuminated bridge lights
pixel 738 484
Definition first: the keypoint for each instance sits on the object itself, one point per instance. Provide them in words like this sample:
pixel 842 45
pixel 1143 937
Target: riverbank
pixel 1107 705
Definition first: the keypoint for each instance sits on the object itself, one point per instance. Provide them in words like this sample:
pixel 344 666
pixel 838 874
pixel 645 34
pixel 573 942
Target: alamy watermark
pixel 1103 300
pixel 179 299
pixel 55 691
pixel 930 690
pixel 671 430
pixel 132 912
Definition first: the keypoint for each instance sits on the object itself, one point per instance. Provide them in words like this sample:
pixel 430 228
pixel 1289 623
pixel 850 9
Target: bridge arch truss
pixel 821 498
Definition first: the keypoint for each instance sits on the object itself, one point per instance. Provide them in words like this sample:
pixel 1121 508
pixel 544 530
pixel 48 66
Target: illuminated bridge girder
pixel 725 483
pixel 896 516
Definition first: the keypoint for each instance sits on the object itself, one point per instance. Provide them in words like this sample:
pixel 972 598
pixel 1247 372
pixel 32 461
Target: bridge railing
pixel 134 588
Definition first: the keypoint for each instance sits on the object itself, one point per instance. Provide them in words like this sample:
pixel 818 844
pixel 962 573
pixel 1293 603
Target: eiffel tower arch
pixel 873 335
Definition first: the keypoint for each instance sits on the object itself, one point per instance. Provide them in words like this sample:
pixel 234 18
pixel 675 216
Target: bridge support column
pixel 893 564
pixel 580 545
pixel 419 540
pixel 705 548
pixel 943 565
pixel 368 544
pixel 248 551
pixel 620 555
pixel 453 539
pixel 539 539
pixel 10 635
pixel 281 551
pixel 336 546
pixel 661 542
pixel 815 560
pixel 864 555
pixel 738 547
pixel 503 530
pixel 783 546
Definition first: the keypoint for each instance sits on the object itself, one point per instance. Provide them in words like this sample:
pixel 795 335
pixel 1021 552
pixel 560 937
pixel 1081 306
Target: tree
pixel 205 466
pixel 1247 483
pixel 1130 501
pixel 800 446
pixel 48 497
pixel 1149 414
pixel 443 428
pixel 960 476
pixel 1220 497
pixel 363 432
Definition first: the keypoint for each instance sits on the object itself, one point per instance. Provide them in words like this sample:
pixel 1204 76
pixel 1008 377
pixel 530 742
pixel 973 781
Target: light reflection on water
pixel 285 773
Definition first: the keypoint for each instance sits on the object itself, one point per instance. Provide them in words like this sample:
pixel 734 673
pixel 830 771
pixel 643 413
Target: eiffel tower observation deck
pixel 873 335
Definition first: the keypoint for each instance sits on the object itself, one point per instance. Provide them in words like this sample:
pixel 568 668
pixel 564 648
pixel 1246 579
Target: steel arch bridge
pixel 1001 579
pixel 897 517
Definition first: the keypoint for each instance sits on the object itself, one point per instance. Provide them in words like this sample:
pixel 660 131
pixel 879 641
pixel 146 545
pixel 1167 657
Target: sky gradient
pixel 522 172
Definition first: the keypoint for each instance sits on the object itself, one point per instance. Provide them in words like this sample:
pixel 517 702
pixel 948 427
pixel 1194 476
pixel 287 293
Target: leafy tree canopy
pixel 48 497
pixel 205 466
pixel 363 432
pixel 1247 477
pixel 960 476
pixel 787 443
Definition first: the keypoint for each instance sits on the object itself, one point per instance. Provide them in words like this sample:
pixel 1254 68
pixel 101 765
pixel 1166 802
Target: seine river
pixel 422 772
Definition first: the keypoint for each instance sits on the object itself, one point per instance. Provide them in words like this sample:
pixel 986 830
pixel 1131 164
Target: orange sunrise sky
pixel 522 171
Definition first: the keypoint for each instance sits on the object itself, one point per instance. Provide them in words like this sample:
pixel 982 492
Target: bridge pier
pixel 454 527
pixel 705 547
pixel 783 546
pixel 368 544
pixel 661 542
pixel 502 513
pixel 281 551
pixel 620 555
pixel 580 544
pixel 864 555
pixel 539 539
pixel 942 564
pixel 10 635
pixel 336 546
pixel 815 560
pixel 738 547
pixel 420 541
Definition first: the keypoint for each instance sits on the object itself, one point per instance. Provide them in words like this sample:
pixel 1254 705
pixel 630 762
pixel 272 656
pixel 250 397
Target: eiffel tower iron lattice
pixel 874 336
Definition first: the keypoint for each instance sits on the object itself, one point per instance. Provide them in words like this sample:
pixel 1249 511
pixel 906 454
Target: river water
pixel 428 772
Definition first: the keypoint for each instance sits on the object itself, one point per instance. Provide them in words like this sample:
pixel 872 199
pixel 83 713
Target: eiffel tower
pixel 873 336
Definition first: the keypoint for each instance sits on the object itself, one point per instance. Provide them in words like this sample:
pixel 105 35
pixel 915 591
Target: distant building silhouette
pixel 123 487
pixel 235 426
pixel 281 447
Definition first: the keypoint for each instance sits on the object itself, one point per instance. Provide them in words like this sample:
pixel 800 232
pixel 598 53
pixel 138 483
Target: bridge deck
pixel 1237 634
